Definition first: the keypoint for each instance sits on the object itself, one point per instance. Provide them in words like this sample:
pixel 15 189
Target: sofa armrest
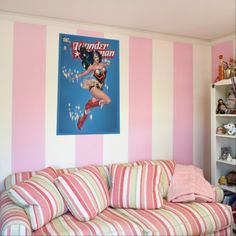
pixel 13 219
pixel 219 193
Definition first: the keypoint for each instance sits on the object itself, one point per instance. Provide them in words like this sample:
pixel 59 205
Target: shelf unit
pixel 221 167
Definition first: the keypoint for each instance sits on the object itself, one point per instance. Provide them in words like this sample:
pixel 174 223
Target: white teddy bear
pixel 231 128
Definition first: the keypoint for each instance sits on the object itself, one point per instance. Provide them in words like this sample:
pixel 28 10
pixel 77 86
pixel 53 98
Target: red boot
pixel 81 121
pixel 90 104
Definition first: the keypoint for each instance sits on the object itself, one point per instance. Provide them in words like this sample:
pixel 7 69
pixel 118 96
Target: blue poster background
pixel 72 97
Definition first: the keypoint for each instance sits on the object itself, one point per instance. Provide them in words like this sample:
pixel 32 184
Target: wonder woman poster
pixel 88 85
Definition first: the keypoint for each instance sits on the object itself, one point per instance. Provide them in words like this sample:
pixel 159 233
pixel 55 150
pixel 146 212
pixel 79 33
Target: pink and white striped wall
pixel 160 81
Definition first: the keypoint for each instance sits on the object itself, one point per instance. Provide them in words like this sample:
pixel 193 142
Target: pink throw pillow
pixel 85 193
pixel 136 186
pixel 39 197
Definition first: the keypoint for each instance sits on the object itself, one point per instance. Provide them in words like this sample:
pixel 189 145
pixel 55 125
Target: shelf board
pixel 229 188
pixel 233 162
pixel 223 82
pixel 226 136
pixel 225 115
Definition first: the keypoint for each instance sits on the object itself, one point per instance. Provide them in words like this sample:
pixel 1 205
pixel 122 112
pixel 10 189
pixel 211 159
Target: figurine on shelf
pixel 221 107
pixel 225 154
pixel 221 130
pixel 231 99
pixel 229 157
pixel 224 157
pixel 222 180
pixel 231 128
pixel 231 178
pixel 230 68
pixel 226 70
pixel 220 69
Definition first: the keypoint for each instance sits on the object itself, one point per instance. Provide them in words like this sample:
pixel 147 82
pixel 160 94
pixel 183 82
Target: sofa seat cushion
pixel 109 222
pixel 182 219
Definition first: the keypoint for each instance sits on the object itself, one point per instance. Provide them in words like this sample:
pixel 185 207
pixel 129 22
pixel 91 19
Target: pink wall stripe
pixel 89 149
pixel 140 99
pixel 28 115
pixel 183 103
pixel 225 49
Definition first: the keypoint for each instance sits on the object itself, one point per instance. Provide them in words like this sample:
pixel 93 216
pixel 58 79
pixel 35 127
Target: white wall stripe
pixel 162 100
pixel 60 150
pixel 115 147
pixel 201 108
pixel 6 62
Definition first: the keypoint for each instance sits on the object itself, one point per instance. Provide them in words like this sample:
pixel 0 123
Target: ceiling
pixel 203 19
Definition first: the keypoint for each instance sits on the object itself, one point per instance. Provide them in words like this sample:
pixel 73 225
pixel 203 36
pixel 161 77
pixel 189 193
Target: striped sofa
pixel 171 219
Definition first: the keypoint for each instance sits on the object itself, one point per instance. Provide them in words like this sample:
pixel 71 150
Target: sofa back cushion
pixel 135 186
pixel 85 192
pixel 167 167
pixel 39 197
pixel 19 177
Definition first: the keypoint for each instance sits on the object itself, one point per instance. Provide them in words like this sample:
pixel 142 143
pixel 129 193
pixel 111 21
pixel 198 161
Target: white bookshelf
pixel 221 167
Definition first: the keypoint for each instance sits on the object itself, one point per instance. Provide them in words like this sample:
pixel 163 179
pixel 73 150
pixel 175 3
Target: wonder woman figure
pixel 92 62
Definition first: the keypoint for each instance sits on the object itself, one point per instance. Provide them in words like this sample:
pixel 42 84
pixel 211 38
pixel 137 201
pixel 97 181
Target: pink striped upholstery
pixel 179 219
pixel 109 222
pixel 13 219
pixel 168 167
pixel 85 192
pixel 19 177
pixel 167 172
pixel 67 170
pixel 182 219
pixel 136 186
pixel 171 219
pixel 224 232
pixel 102 169
pixel 39 197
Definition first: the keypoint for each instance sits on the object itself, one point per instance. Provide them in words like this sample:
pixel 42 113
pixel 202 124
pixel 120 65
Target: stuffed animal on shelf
pixel 231 128
pixel 222 180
